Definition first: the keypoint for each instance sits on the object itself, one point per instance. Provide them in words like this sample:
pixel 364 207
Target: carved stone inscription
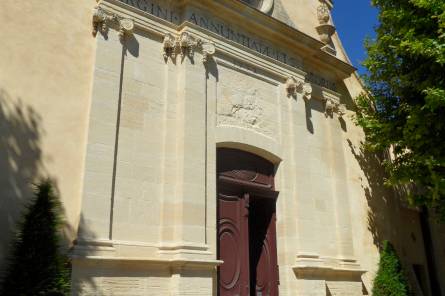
pixel 246 102
pixel 161 10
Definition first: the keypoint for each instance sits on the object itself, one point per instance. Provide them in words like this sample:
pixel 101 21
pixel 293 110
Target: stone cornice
pixel 309 49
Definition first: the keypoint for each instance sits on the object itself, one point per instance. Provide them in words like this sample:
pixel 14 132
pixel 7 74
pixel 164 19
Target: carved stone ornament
pixel 126 27
pixel 185 44
pixel 208 50
pixel 329 107
pixel 307 91
pixel 332 106
pixel 293 86
pixel 325 29
pixel 341 110
pixel 323 13
pixel 101 20
pixel 169 46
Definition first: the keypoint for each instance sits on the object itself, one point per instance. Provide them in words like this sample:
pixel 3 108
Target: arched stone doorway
pixel 246 224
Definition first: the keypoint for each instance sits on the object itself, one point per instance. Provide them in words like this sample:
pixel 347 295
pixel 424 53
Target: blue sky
pixel 354 20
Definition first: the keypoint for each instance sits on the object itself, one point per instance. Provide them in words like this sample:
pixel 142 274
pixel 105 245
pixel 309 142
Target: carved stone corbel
pixel 101 20
pixel 126 27
pixel 341 110
pixel 329 107
pixel 307 91
pixel 208 50
pixel 293 86
pixel 169 46
pixel 186 44
pixel 332 106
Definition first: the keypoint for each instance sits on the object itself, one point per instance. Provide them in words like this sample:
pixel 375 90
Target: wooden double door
pixel 246 225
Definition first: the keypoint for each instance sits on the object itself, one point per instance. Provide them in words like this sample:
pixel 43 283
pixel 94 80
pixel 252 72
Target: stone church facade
pixel 211 150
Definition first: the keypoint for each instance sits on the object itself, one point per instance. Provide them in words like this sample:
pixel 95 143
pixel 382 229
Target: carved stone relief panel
pixel 246 101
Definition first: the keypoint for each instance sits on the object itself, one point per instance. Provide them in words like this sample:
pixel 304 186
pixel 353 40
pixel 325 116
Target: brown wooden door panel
pixel 246 225
pixel 233 245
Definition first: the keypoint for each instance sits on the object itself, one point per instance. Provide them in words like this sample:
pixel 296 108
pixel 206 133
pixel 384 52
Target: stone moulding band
pixel 314 265
pixel 177 262
pixel 324 271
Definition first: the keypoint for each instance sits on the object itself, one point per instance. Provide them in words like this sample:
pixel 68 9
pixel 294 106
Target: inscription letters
pixel 228 32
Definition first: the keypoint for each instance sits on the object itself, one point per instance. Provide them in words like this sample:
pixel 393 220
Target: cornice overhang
pixel 302 44
pixel 271 30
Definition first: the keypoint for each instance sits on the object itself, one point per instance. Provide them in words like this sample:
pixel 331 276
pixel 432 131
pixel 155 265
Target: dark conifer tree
pixel 36 266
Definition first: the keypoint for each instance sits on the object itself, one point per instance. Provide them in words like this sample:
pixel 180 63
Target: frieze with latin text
pixel 228 32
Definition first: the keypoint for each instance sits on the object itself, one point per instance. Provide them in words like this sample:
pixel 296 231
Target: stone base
pixel 96 275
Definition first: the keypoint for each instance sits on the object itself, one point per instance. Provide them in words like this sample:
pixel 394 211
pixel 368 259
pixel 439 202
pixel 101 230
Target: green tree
pixel 404 108
pixel 36 266
pixel 390 279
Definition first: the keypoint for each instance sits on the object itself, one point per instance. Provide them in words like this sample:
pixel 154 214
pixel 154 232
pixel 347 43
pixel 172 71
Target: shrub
pixel 391 279
pixel 36 265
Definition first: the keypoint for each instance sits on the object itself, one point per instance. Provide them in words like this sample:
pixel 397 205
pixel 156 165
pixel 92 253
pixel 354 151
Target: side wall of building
pixel 46 58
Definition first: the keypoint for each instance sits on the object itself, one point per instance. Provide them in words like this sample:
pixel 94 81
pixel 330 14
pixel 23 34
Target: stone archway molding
pixel 246 140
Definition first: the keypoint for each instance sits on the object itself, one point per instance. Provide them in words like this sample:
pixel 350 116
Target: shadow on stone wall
pixel 83 283
pixel 382 200
pixel 389 217
pixel 20 163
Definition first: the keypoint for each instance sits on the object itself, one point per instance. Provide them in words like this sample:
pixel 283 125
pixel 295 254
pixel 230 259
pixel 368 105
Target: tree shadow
pixel 20 162
pixel 383 201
